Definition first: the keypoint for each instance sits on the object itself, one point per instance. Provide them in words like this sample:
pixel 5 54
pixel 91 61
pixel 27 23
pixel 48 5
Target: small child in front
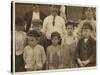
pixel 34 54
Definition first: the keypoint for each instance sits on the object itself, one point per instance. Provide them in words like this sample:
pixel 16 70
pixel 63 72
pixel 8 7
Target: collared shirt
pixel 20 42
pixel 34 57
pixel 85 40
pixel 48 27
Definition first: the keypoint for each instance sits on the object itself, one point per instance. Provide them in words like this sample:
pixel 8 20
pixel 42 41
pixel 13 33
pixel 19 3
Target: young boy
pixel 20 41
pixel 37 26
pixel 34 55
pixel 86 48
pixel 53 52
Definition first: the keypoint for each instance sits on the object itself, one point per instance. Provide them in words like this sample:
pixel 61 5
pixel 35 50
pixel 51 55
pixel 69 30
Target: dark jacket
pixel 28 18
pixel 87 51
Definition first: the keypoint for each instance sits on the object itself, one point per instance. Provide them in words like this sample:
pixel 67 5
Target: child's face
pixel 69 29
pixel 38 28
pixel 32 41
pixel 55 40
pixel 86 33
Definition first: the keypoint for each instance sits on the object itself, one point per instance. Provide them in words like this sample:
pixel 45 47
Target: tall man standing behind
pixel 53 23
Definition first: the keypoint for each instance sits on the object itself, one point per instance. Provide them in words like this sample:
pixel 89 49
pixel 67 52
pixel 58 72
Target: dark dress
pixel 87 51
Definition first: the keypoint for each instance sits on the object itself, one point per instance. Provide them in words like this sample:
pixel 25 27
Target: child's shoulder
pixel 27 47
pixel 39 47
pixel 50 46
pixel 93 41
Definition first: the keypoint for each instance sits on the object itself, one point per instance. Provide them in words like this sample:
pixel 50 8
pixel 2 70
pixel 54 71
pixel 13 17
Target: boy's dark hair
pixel 87 25
pixel 33 33
pixel 55 34
pixel 70 24
pixel 19 21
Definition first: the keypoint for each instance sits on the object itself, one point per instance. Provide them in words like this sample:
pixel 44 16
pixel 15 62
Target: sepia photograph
pixel 52 37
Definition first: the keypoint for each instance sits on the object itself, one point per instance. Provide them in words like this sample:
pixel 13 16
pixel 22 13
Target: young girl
pixel 53 52
pixel 68 47
pixel 34 55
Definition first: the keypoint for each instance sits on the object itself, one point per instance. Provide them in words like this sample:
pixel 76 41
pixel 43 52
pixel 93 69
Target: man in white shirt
pixel 53 23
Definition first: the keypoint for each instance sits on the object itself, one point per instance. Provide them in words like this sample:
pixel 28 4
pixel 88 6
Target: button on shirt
pixel 48 26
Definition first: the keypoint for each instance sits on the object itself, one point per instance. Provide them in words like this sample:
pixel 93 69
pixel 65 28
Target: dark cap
pixel 33 33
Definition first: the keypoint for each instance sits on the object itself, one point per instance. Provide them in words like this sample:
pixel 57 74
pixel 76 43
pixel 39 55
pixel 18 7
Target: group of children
pixel 33 53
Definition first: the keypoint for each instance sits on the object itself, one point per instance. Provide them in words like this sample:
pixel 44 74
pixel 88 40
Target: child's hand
pixel 80 63
pixel 86 62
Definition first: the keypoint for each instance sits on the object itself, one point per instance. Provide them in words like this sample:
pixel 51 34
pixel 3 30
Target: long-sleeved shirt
pixel 86 50
pixel 20 40
pixel 48 26
pixel 34 57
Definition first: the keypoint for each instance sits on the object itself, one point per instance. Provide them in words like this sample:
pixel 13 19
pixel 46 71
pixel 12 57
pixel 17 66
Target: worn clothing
pixel 34 57
pixel 68 51
pixel 43 41
pixel 48 26
pixel 87 50
pixel 36 15
pixel 53 57
pixel 19 63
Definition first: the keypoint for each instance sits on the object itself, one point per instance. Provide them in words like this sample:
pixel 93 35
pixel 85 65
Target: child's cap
pixel 37 22
pixel 87 25
pixel 55 34
pixel 33 33
pixel 19 21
